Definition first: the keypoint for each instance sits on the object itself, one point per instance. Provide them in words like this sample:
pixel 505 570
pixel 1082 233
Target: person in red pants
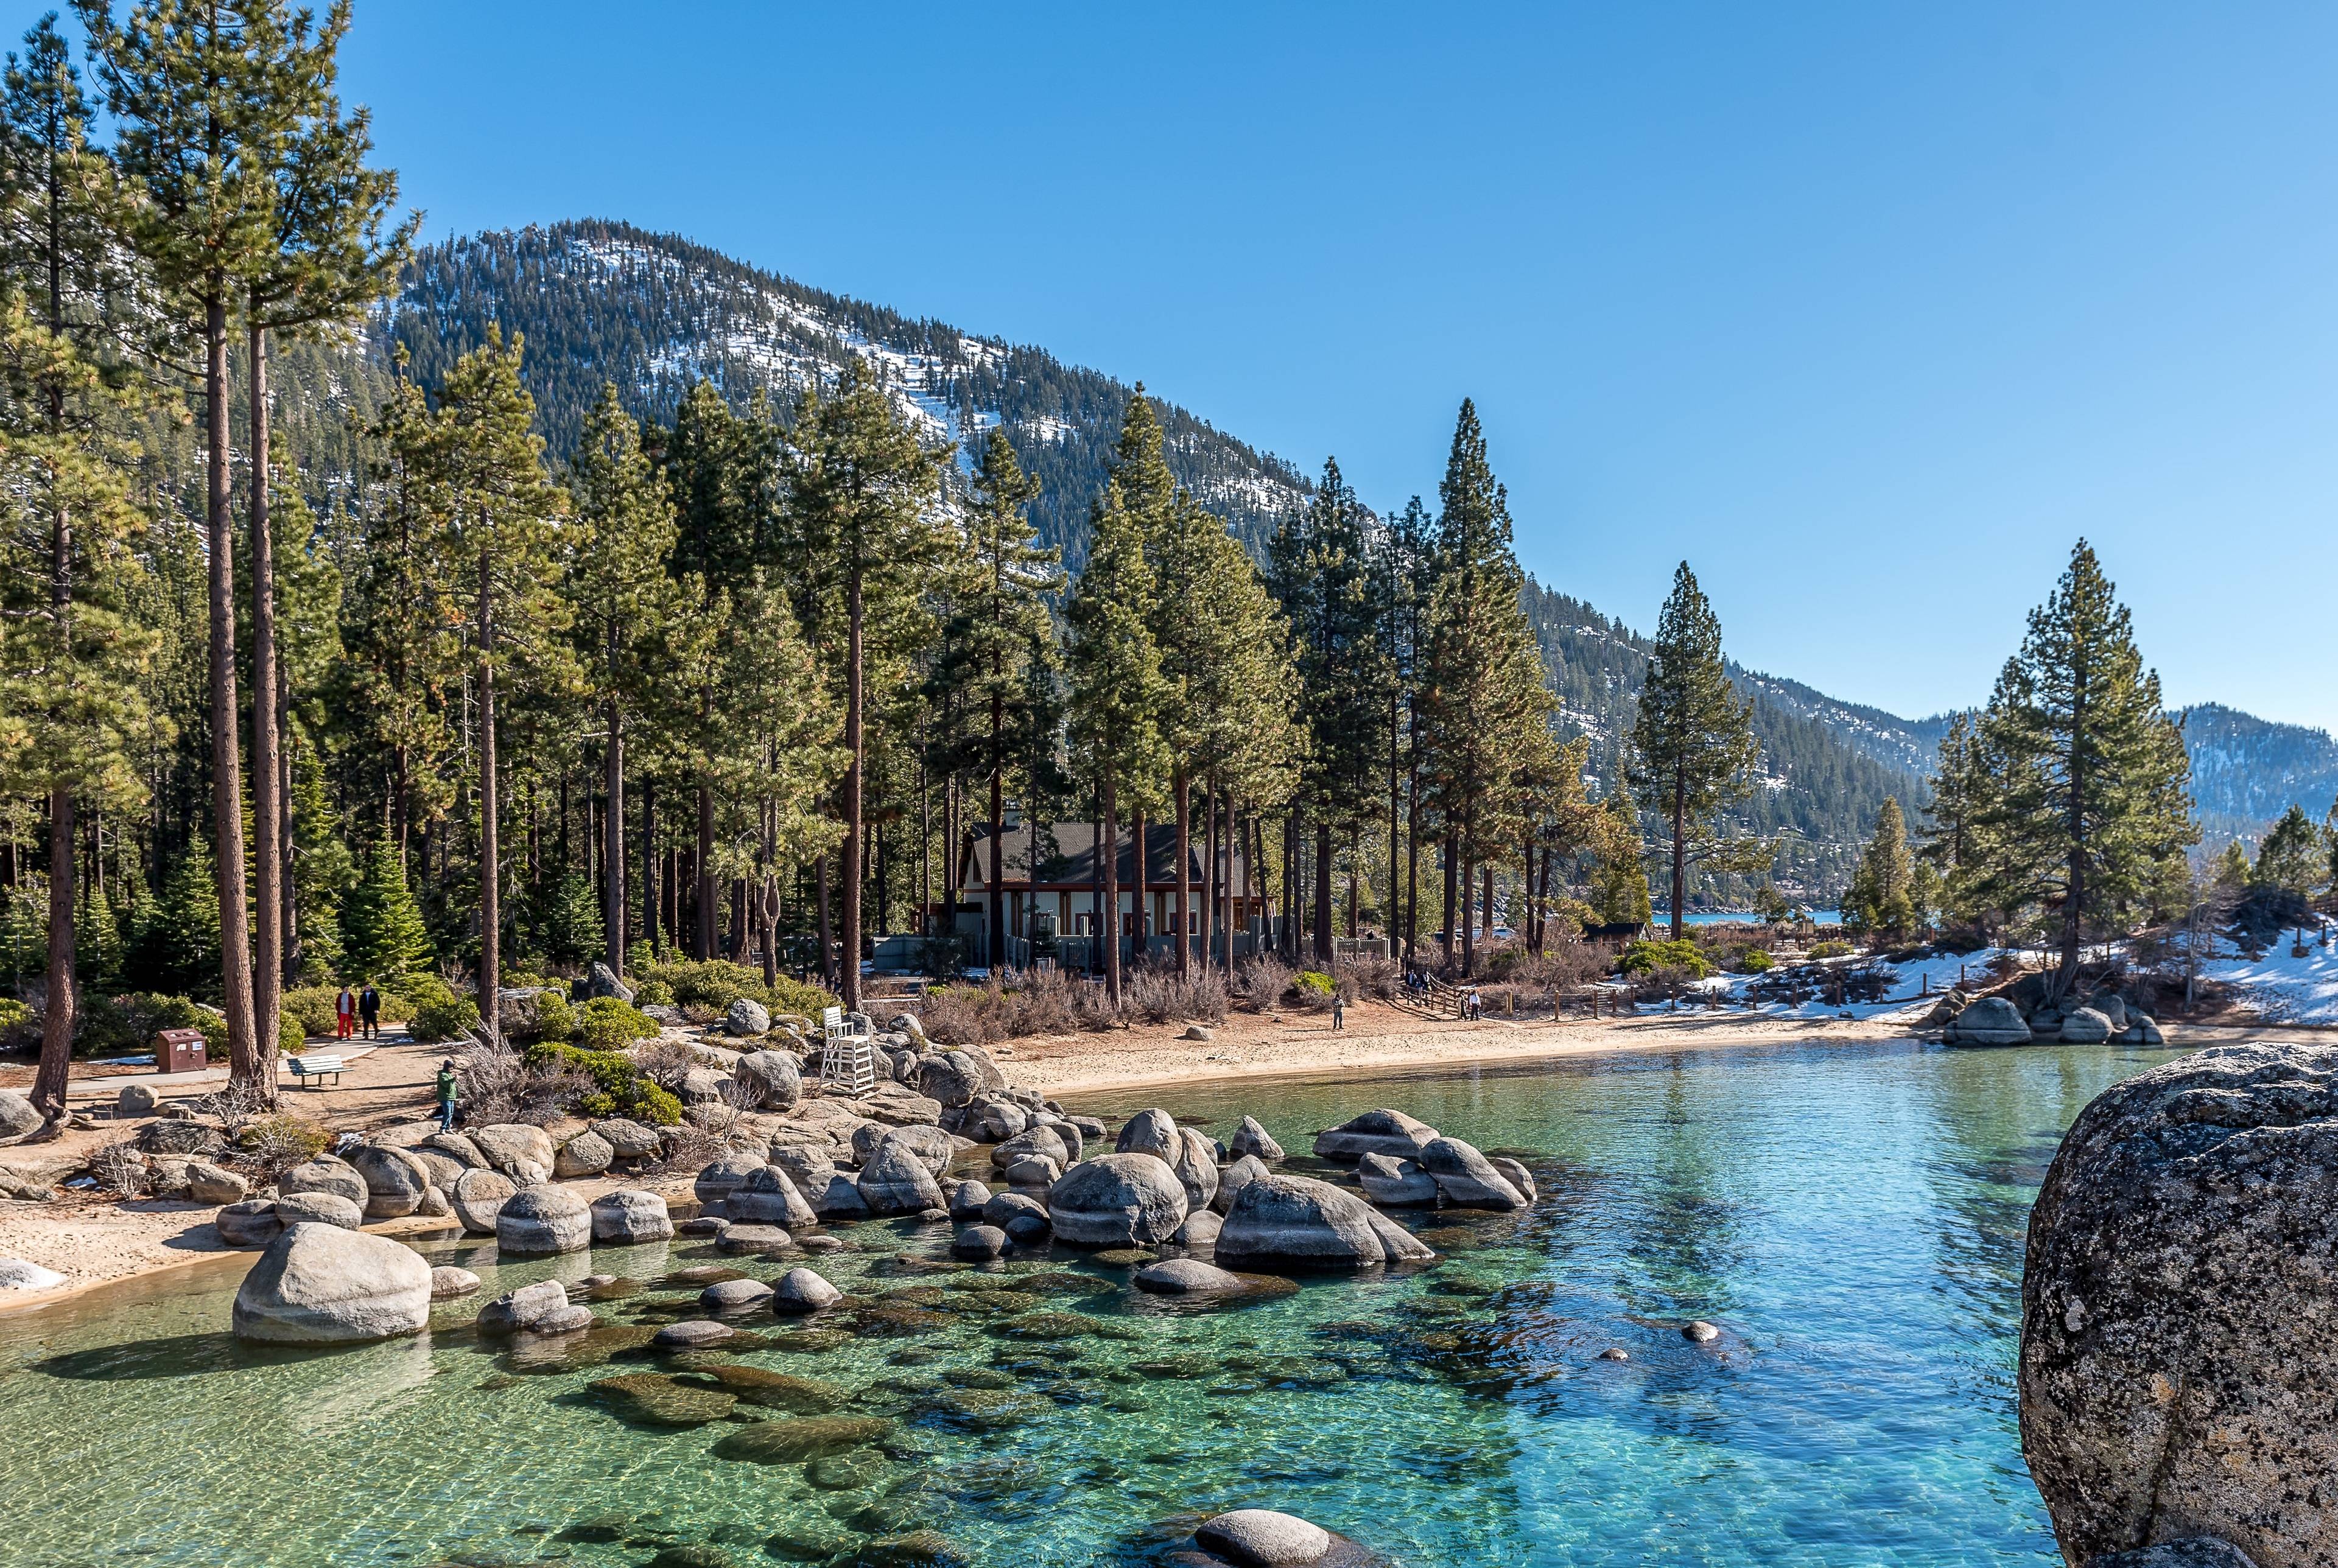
pixel 345 1013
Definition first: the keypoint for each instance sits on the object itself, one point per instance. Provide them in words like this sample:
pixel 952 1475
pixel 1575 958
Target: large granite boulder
pixel 1233 1177
pixel 586 1154
pixel 1991 1021
pixel 2178 1300
pixel 769 1197
pixel 477 1197
pixel 18 1118
pixel 456 1147
pixel 990 1119
pixel 1516 1174
pixel 897 1179
pixel 321 1285
pixel 250 1223
pixel 746 1017
pixel 839 1199
pixel 1152 1133
pixel 1196 1164
pixel 600 981
pixel 543 1219
pixel 934 1147
pixel 627 1139
pixel 629 1217
pixel 1263 1538
pixel 325 1174
pixel 1466 1179
pixel 1252 1138
pixel 951 1077
pixel 210 1183
pixel 1047 1143
pixel 522 1152
pixel 1298 1220
pixel 2084 1026
pixel 800 1290
pixel 318 1208
pixel 444 1168
pixel 395 1181
pixel 1117 1201
pixel 724 1176
pixel 524 1308
pixel 1396 1183
pixel 772 1080
pixel 1381 1132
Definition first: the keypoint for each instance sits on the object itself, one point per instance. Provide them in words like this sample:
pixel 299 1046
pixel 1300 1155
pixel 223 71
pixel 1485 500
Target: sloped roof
pixel 1066 855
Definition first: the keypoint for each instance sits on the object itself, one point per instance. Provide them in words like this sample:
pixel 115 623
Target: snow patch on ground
pixel 2282 988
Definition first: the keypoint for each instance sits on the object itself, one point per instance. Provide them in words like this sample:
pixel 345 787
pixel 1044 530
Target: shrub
pixel 17 1030
pixel 1373 976
pixel 434 1012
pixel 555 1018
pixel 1645 957
pixel 792 996
pixel 654 994
pixel 1831 950
pixel 715 984
pixel 609 1025
pixel 282 1141
pixel 312 1008
pixel 1755 961
pixel 1313 980
pixel 618 1087
pixel 121 1026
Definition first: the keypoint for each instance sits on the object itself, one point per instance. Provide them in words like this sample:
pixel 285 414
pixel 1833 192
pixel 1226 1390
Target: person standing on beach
pixel 345 1014
pixel 369 1010
pixel 447 1095
pixel 1339 1012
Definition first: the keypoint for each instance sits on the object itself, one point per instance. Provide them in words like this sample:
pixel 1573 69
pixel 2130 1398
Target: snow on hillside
pixel 2280 988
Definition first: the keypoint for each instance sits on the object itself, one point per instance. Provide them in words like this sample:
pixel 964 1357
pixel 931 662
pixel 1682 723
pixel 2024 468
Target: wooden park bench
pixel 307 1067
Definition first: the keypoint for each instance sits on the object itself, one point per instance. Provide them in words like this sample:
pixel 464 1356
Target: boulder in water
pixel 318 1208
pixel 321 1285
pixel 1381 1132
pixel 1296 1220
pixel 1152 1133
pixel 1396 1183
pixel 2084 1026
pixel 769 1197
pixel 1196 1164
pixel 449 1282
pixel 1231 1179
pixel 1117 1201
pixel 523 1308
pixel 540 1220
pixel 1252 1138
pixel 1466 1179
pixel 800 1290
pixel 897 1180
pixel 1991 1021
pixel 1263 1538
pixel 479 1196
pixel 629 1217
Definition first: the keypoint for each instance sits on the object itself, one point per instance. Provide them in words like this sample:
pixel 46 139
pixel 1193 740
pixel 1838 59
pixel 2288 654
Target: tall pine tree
pixel 1694 738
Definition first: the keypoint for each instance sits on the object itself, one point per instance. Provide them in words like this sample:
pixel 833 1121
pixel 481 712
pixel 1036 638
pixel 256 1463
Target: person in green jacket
pixel 447 1095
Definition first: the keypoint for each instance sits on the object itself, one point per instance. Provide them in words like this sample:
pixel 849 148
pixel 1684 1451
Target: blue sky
pixel 1867 310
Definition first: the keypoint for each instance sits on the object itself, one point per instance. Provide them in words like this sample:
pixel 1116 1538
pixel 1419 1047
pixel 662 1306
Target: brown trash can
pixel 181 1051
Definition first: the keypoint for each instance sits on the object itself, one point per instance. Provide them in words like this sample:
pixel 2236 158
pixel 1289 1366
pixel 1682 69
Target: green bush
pixel 1645 957
pixel 1313 980
pixel 791 996
pixel 1755 961
pixel 15 1019
pixel 434 1012
pixel 555 1018
pixel 312 1008
pixel 718 983
pixel 124 1026
pixel 619 1087
pixel 654 994
pixel 609 1025
pixel 1831 950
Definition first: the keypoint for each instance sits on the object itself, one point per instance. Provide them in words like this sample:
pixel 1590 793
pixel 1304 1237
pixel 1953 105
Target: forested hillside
pixel 2246 770
pixel 605 302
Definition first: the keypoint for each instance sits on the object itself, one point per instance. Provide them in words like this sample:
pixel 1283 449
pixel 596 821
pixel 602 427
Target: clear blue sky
pixel 1867 310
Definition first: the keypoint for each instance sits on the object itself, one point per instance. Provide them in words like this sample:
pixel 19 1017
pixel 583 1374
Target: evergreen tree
pixel 323 868
pixel 2091 781
pixel 1882 899
pixel 1695 740
pixel 997 647
pixel 572 927
pixel 383 938
pixel 177 947
pixel 1620 881
pixel 1961 789
pixel 863 504
pixel 2293 858
pixel 626 614
pixel 1116 690
pixel 72 659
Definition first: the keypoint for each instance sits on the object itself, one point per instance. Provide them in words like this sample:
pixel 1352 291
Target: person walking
pixel 447 1095
pixel 369 1010
pixel 345 1014
pixel 1338 1011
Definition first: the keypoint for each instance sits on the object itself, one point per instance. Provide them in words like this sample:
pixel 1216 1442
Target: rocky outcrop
pixel 586 1154
pixel 320 1285
pixel 520 1152
pixel 772 1080
pixel 1466 1179
pixel 1117 1201
pixel 479 1196
pixel 630 1217
pixel 746 1017
pixel 2177 1296
pixel 769 1197
pixel 1381 1132
pixel 539 1220
pixel 395 1181
pixel 1991 1021
pixel 325 1174
pixel 1252 1138
pixel 1396 1183
pixel 1152 1133
pixel 1296 1220
pixel 897 1180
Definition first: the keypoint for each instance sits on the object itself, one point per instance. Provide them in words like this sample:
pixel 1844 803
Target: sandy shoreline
pixel 96 1244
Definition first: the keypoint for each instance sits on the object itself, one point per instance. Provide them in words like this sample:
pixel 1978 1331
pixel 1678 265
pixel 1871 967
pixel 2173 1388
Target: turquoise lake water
pixel 1851 1217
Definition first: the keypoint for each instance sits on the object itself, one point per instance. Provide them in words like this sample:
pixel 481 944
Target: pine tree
pixel 1116 690
pixel 1881 899
pixel 72 659
pixel 2091 787
pixel 1621 881
pixel 2293 856
pixel 1695 740
pixel 863 506
pixel 1961 789
pixel 323 868
pixel 626 614
pixel 496 534
pixel 177 947
pixel 382 934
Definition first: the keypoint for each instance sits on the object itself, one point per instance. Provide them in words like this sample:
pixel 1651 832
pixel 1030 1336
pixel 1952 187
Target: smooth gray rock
pixel 1700 1332
pixel 1186 1276
pixel 448 1282
pixel 992 1120
pixel 1233 1177
pixel 250 1223
pixel 1200 1231
pixel 586 1154
pixel 1117 1201
pixel 773 1080
pixel 692 1334
pixel 934 1147
pixel 2194 1552
pixel 704 1086
pixel 567 1320
pixel 444 1169
pixel 761 1239
pixel 325 1174
pixel 545 1219
pixel 1381 1132
pixel 479 1196
pixel 2084 1026
pixel 2113 1008
pixel 1516 1174
pixel 734 1295
pixel 1262 1538
pixel 16 1274
pixel 1034 1171
pixel 134 1100
pixel 458 1148
pixel 1396 1183
pixel 318 1208
pixel 630 1217
pixel 18 1120
pixel 210 1183
pixel 770 1197
pixel 746 1017
pixel 1295 1220
pixel 522 1309
pixel 840 1198
pixel 522 1152
pixel 1196 1164
pixel 1466 1179
pixel 978 1243
pixel 724 1175
pixel 806 1167
pixel 2175 1376
pixel 897 1180
pixel 601 982
pixel 321 1285
pixel 434 1205
pixel 627 1139
pixel 951 1077
pixel 1252 1138
pixel 1048 1143
pixel 965 1199
pixel 395 1180
pixel 1991 1021
pixel 1003 1208
pixel 1152 1133
pixel 800 1290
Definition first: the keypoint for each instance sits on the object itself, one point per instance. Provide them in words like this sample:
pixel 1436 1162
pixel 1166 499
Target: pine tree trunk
pixel 1211 880
pixel 994 928
pixel 491 926
pixel 247 1063
pixel 1390 910
pixel 1450 857
pixel 1412 866
pixel 63 1003
pixel 290 894
pixel 1111 899
pixel 827 930
pixel 857 760
pixel 1185 827
pixel 1289 945
pixel 1355 885
pixel 1489 874
pixel 267 765
pixel 1680 849
pixel 1322 893
pixel 613 855
pixel 701 865
pixel 649 867
pixel 1469 920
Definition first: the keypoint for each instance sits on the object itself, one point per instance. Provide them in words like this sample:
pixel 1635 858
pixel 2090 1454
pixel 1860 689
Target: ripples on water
pixel 1851 1217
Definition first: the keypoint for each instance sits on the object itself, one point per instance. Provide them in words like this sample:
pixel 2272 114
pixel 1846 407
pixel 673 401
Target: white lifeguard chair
pixel 848 1057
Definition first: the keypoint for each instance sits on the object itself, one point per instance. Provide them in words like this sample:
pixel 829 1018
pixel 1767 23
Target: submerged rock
pixel 2175 1376
pixel 794 1442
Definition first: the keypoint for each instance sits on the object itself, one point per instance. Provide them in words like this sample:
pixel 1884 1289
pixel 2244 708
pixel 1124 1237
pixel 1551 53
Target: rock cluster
pixel 2022 1015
